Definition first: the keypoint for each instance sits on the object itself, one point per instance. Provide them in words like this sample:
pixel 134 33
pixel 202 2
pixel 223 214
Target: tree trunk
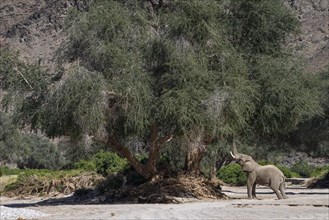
pixel 149 169
pixel 193 159
pixel 218 164
pixel 195 152
pixel 154 153
pixel 125 152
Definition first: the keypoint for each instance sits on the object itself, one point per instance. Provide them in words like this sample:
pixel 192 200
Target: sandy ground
pixel 301 204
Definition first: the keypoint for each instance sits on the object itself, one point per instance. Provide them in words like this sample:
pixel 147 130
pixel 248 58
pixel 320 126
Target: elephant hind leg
pixel 282 190
pixel 275 186
pixel 278 194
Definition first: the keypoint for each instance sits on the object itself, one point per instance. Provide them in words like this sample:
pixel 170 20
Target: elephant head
pixel 245 161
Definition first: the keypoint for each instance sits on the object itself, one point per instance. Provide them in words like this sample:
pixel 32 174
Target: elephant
pixel 264 175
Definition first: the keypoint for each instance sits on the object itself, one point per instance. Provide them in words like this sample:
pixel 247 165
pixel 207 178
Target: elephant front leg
pixel 250 184
pixel 254 191
pixel 249 191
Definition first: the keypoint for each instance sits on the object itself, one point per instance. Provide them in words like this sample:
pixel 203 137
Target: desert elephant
pixel 264 175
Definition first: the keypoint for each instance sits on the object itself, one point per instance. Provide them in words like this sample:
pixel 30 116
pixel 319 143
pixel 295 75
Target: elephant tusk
pixel 169 139
pixel 232 155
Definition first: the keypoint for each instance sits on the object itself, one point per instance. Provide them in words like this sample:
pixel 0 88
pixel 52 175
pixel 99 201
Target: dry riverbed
pixel 301 204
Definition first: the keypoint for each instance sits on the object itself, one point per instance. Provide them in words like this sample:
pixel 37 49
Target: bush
pixel 88 165
pixel 320 171
pixel 23 173
pixel 104 163
pixel 40 154
pixel 109 162
pixel 232 174
pixel 303 169
pixel 321 181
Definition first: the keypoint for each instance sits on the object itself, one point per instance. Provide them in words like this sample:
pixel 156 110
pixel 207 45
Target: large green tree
pixel 156 72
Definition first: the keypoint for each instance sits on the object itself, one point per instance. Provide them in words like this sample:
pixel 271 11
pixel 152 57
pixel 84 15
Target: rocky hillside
pixel 313 41
pixel 35 27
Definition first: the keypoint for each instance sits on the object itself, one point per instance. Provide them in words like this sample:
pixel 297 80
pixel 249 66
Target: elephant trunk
pixel 234 152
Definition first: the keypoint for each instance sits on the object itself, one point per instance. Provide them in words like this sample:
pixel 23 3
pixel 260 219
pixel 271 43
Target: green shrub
pixel 232 174
pixel 103 163
pixel 320 171
pixel 22 173
pixel 40 154
pixel 109 162
pixel 303 169
pixel 5 171
pixel 88 165
pixel 321 181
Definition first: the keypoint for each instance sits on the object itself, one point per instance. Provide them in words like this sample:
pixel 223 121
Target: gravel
pixel 7 213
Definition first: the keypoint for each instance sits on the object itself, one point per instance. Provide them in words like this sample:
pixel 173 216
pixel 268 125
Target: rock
pixel 313 41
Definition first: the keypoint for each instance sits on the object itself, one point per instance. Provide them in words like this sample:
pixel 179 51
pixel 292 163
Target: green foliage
pixel 20 80
pixel 216 155
pixel 25 173
pixel 320 171
pixel 260 26
pixel 75 106
pixel 40 154
pixel 289 96
pixel 194 20
pixel 303 168
pixel 104 163
pixel 109 162
pixel 232 174
pixel 108 39
pixel 315 132
pixel 321 181
pixel 103 36
pixel 18 76
pixel 88 165
pixel 27 150
pixel 10 140
pixel 187 75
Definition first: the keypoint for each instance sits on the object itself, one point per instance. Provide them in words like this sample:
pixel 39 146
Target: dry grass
pixel 46 186
pixel 6 180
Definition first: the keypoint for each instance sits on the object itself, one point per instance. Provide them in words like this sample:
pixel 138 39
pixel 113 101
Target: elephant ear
pixel 248 166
